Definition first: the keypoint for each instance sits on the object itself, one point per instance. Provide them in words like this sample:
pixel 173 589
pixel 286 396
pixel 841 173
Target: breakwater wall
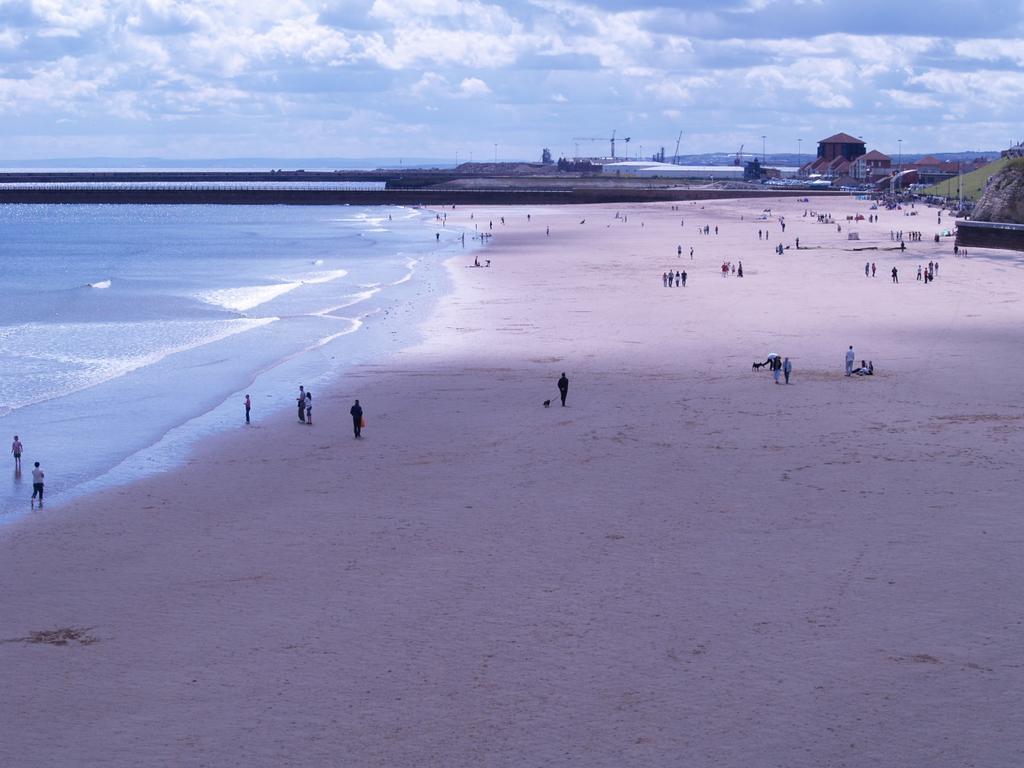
pixel 989 234
pixel 238 195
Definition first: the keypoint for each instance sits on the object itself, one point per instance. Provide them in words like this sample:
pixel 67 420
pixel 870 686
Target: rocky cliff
pixel 1003 199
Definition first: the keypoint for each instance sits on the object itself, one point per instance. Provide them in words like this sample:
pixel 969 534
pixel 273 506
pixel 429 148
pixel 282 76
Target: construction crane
pixel 739 156
pixel 603 138
pixel 675 157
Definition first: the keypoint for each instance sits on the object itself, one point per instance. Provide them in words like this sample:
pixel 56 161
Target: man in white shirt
pixel 37 485
pixel 849 360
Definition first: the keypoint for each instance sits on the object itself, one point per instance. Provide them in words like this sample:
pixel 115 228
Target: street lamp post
pixel 799 155
pixel 763 156
pixel 495 153
pixel 899 168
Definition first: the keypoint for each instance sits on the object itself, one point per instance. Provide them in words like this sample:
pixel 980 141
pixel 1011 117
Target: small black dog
pixel 547 403
pixel 758 366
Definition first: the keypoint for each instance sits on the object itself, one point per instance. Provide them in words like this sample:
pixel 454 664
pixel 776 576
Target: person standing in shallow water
pixel 16 449
pixel 356 411
pixel 37 485
pixel 563 387
pixel 302 404
pixel 248 407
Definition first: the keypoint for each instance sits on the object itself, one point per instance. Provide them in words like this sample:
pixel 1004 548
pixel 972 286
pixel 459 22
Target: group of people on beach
pixel 667 277
pixel 865 369
pixel 778 366
pixel 930 273
pixel 304 402
pixel 17 448
pixel 729 268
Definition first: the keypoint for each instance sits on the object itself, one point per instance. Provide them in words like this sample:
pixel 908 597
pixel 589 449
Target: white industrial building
pixel 649 169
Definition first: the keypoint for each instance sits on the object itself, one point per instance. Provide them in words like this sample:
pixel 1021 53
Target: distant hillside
pixel 973 182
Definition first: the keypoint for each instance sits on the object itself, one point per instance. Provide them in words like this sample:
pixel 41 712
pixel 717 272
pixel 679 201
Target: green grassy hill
pixel 974 182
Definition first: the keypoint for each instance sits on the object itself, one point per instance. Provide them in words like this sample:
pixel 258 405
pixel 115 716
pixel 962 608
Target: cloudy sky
pixel 447 78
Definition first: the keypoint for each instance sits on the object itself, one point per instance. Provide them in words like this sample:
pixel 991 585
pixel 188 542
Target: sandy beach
pixel 687 565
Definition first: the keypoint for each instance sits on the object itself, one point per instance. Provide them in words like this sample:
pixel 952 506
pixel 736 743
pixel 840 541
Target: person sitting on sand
pixel 866 369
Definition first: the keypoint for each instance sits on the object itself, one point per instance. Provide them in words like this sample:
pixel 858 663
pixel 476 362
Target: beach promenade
pixel 687 565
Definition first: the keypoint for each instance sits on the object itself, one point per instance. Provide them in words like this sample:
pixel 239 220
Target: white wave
pixel 92 353
pixel 99 284
pixel 410 264
pixel 354 298
pixel 354 325
pixel 246 297
pixel 324 277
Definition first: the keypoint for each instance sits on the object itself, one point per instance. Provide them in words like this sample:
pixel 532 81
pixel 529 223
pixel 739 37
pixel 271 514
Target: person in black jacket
pixel 563 387
pixel 357 418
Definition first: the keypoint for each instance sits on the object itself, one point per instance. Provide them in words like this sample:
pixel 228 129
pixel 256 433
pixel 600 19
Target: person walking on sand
pixel 37 485
pixel 849 360
pixel 248 407
pixel 867 269
pixel 895 275
pixel 776 368
pixel 872 269
pixel 309 408
pixel 787 368
pixel 356 412
pixel 302 404
pixel 16 449
pixel 563 387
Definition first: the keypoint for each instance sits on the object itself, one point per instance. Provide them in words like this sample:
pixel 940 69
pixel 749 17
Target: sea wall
pixel 424 197
pixel 985 234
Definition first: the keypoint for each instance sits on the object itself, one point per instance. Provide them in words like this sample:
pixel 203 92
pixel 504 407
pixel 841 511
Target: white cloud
pixel 679 91
pixel 200 67
pixel 992 50
pixel 998 90
pixel 10 39
pixel 59 86
pixel 473 86
pixel 72 14
pixel 912 99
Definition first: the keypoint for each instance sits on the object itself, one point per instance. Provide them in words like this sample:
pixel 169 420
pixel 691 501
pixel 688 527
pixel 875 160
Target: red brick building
pixel 874 165
pixel 841 145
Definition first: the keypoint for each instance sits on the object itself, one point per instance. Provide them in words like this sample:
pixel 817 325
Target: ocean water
pixel 130 333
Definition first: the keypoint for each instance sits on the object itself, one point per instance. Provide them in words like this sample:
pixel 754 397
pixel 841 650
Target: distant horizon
pixel 242 163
